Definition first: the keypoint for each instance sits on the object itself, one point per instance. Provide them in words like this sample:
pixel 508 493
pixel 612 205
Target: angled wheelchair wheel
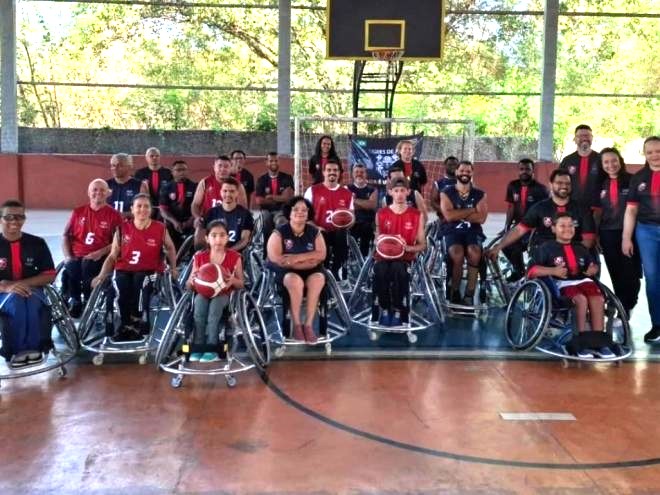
pixel 337 299
pixel 61 319
pixel 616 323
pixel 254 330
pixel 95 306
pixel 527 315
pixel 174 329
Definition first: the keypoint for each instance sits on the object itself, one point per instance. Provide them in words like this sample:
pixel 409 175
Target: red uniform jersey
pixel 141 250
pixel 325 201
pixel 404 224
pixel 91 230
pixel 211 193
pixel 228 264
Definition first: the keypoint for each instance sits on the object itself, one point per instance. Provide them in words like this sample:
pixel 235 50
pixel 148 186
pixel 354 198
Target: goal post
pixel 436 139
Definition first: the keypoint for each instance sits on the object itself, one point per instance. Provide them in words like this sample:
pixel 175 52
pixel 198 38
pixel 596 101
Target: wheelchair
pixel 245 345
pixel 64 347
pixel 334 318
pixel 539 318
pixel 100 318
pixel 424 307
pixel 492 289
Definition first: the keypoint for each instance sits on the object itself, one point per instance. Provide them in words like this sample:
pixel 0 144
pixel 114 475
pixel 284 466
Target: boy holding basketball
pixel 208 311
pixel 391 278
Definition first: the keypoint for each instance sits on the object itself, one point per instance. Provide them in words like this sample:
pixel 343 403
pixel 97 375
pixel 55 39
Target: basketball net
pixel 390 56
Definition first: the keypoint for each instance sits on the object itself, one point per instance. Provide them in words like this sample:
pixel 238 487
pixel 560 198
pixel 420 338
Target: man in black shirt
pixel 539 218
pixel 365 202
pixel 584 166
pixel 123 187
pixel 274 189
pixel 26 265
pixel 241 174
pixel 521 195
pixel 413 169
pixel 155 176
pixel 175 200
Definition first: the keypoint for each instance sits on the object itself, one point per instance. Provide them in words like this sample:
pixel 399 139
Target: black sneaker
pixel 455 297
pixel 468 300
pixel 127 334
pixel 653 336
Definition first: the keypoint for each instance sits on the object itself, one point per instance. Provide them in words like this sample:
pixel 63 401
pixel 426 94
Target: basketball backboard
pixel 355 28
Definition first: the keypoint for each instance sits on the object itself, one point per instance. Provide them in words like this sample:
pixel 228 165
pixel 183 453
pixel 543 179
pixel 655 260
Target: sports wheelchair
pixel 100 319
pixel 539 318
pixel 492 289
pixel 245 345
pixel 424 304
pixel 62 349
pixel 333 316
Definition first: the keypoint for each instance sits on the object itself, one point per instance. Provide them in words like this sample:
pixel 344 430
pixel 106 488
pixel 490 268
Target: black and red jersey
pixel 405 224
pixel 414 172
pixel 89 230
pixel 540 217
pixel 156 179
pixel 325 201
pixel 141 249
pixel 177 197
pixel 574 256
pixel 26 257
pixel 523 196
pixel 613 199
pixel 267 185
pixel 644 191
pixel 587 176
pixel 247 179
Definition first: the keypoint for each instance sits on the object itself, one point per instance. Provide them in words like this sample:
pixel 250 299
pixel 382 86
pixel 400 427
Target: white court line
pixel 541 416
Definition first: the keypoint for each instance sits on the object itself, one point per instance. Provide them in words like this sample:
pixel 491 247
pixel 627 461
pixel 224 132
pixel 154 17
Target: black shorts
pixel 464 238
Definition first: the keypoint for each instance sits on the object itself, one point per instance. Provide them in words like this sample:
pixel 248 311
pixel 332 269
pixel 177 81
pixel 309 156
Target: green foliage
pixel 223 47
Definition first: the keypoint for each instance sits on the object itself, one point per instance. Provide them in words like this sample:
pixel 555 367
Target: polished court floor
pixel 373 418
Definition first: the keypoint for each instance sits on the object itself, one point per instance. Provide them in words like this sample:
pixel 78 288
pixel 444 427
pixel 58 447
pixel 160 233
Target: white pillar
pixel 8 110
pixel 284 79
pixel 549 84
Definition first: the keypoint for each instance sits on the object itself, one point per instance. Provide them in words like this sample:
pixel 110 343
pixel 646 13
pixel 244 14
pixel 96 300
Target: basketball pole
pixel 8 110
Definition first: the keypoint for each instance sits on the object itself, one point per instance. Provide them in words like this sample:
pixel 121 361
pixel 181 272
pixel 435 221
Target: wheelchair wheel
pixel 173 329
pixel 254 330
pixel 613 311
pixel 61 319
pixel 336 296
pixel 94 306
pixel 527 315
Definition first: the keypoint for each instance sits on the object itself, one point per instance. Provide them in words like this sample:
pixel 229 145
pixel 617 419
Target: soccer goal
pixel 373 142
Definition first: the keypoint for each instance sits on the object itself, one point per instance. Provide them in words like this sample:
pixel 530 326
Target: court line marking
pixel 537 416
pixel 449 455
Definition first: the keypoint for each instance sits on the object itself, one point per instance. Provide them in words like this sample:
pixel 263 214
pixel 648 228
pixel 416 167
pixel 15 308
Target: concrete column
pixel 284 79
pixel 549 84
pixel 8 110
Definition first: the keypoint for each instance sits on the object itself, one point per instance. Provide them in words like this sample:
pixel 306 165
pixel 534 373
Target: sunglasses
pixel 12 218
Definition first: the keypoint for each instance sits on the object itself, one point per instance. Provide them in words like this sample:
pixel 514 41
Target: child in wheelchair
pixel 208 339
pixel 571 268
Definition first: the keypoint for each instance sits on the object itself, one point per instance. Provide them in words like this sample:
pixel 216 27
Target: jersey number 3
pixel 135 258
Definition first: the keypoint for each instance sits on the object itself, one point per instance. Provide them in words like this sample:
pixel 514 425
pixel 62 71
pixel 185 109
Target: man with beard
pixel 540 217
pixel 175 200
pixel 274 190
pixel 465 210
pixel 327 197
pixel 237 219
pixel 521 195
pixel 207 194
pixel 449 179
pixel 584 166
pixel 365 200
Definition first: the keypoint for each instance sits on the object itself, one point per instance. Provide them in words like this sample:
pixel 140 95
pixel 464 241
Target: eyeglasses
pixel 13 218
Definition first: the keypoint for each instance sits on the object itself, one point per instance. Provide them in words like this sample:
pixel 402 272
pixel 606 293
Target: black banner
pixel 377 154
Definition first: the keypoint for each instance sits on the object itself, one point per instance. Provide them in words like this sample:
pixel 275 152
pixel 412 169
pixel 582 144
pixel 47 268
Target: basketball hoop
pixel 390 56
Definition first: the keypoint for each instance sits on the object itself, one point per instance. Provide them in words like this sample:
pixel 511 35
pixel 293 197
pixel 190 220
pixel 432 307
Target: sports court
pixel 461 401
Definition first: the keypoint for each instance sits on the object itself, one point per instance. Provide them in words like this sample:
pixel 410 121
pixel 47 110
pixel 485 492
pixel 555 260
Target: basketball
pixel 210 280
pixel 390 247
pixel 342 218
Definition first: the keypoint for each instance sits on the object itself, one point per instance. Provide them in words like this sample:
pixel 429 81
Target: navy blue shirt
pixel 121 197
pixel 298 244
pixel 362 215
pixel 474 196
pixel 236 220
